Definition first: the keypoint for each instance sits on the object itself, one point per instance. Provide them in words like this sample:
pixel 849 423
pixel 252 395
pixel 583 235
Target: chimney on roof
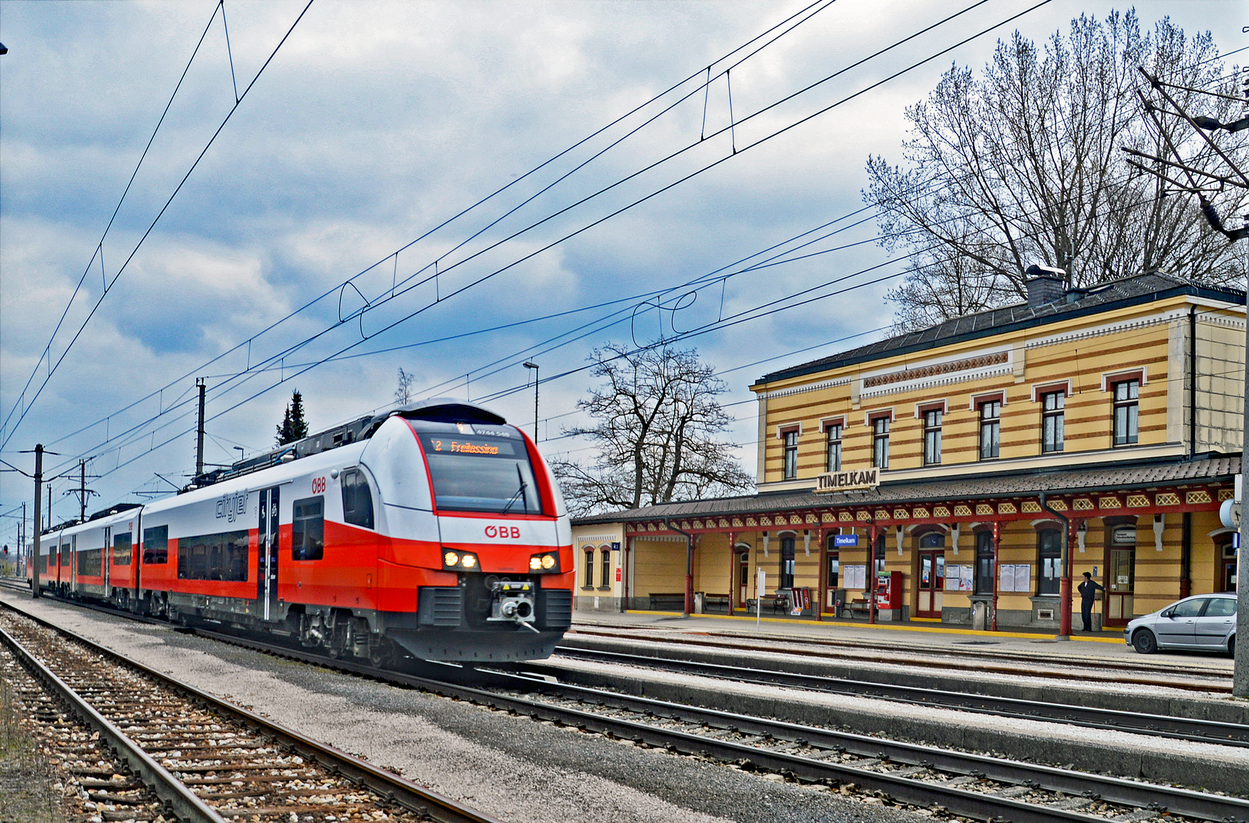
pixel 1045 284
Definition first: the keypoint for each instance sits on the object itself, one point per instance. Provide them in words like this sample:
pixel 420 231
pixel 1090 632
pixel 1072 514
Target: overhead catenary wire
pixel 326 360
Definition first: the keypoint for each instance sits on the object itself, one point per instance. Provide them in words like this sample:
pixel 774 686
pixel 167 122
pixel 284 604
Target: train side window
pixel 357 499
pixel 121 549
pixel 156 545
pixel 213 557
pixel 308 529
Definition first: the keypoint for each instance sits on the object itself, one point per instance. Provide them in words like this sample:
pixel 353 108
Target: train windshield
pixel 481 472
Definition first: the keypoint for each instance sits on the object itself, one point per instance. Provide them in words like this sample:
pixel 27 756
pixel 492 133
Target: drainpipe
pixel 1064 584
pixel 1192 382
pixel 1186 557
pixel 689 565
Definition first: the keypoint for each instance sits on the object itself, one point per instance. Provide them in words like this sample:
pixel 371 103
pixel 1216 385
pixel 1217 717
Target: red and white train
pixel 437 530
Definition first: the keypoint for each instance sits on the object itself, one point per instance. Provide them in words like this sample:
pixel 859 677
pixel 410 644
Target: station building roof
pixel 1093 479
pixel 1070 303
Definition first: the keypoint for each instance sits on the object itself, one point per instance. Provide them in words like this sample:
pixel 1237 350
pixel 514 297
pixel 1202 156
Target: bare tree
pixel 1025 165
pixel 403 393
pixel 654 433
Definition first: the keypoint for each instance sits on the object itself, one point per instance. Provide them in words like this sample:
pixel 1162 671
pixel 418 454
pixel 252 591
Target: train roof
pixel 444 410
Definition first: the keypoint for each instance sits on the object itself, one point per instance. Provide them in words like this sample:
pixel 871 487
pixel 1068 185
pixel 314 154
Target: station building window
pixel 832 447
pixel 1127 411
pixel 605 571
pixel 932 437
pixel 791 453
pixel 880 441
pixel 1049 560
pixel 588 582
pixel 990 428
pixel 1053 405
pixel 984 562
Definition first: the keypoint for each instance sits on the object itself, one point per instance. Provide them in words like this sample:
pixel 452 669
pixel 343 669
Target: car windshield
pixel 477 471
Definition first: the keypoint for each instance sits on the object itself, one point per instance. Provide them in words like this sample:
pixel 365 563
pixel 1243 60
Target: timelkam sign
pixel 844 481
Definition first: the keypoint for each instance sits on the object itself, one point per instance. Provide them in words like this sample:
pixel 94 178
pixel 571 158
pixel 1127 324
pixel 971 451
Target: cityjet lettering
pixel 232 506
pixel 841 481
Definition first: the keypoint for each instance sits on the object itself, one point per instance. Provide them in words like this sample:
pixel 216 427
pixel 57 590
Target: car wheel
pixel 1145 642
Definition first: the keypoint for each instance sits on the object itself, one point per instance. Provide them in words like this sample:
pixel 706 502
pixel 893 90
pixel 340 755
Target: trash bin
pixel 698 602
pixel 979 609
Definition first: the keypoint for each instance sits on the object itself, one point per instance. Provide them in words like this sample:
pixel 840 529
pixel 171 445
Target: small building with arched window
pixel 954 470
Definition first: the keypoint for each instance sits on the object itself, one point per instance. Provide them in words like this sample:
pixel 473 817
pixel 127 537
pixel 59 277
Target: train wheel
pixel 381 652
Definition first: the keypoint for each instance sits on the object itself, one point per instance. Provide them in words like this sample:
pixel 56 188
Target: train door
pixel 1120 579
pixel 930 590
pixel 106 558
pixel 267 561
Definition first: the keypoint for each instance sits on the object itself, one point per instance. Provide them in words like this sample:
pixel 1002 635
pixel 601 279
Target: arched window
pixel 605 578
pixel 1049 560
pixel 787 563
pixel 984 562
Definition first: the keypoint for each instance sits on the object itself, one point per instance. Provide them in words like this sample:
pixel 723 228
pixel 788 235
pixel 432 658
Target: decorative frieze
pixel 1082 504
pixel 1109 502
pixel 936 370
pixel 921 513
pixel 962 511
pixel 901 514
pixel 1007 508
pixel 984 510
pixel 1167 499
pixel 1032 507
pixel 940 511
pixel 1138 501
pixel 1198 497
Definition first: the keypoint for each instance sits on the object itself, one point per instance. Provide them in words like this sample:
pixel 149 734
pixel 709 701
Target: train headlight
pixel 464 561
pixel 548 562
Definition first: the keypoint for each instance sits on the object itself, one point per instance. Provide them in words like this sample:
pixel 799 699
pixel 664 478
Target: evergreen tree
pixel 294 426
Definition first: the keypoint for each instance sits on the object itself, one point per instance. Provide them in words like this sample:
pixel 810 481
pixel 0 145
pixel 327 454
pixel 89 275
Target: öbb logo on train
pixel 503 532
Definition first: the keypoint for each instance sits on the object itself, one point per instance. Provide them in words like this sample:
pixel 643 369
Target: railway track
pixel 966 784
pixel 1094 717
pixel 206 760
pixel 977 786
pixel 1197 676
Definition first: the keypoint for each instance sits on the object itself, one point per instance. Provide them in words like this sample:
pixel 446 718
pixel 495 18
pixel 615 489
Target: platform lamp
pixel 529 364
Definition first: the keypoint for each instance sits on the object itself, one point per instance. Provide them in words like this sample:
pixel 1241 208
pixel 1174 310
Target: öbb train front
pixel 474 544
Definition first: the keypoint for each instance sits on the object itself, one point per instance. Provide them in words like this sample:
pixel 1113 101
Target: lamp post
pixel 529 364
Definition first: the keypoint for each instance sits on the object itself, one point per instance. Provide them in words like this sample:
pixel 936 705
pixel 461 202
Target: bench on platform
pixel 718 603
pixel 778 602
pixel 667 602
pixel 859 608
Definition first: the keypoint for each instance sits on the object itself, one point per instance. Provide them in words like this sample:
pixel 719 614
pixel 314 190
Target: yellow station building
pixel 948 469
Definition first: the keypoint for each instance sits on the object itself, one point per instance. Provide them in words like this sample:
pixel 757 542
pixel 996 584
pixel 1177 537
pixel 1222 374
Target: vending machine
pixel 888 590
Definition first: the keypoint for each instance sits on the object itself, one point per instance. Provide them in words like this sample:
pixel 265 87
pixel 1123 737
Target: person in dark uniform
pixel 1088 593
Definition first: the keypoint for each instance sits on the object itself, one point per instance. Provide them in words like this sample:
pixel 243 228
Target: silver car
pixel 1203 622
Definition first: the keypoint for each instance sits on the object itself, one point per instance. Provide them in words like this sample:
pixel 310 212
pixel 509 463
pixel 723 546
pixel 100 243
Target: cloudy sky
pixel 335 191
